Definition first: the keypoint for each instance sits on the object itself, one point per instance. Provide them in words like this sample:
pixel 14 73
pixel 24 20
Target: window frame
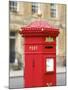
pixel 13 6
pixel 53 10
pixel 34 7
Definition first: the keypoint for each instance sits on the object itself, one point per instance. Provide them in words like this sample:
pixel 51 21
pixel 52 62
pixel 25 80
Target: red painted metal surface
pixel 37 52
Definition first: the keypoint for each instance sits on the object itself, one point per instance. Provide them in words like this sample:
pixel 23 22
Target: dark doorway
pixel 12 47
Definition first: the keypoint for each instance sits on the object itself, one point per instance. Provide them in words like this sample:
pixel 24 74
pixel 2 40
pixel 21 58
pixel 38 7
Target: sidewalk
pixel 21 72
pixel 16 73
pixel 60 69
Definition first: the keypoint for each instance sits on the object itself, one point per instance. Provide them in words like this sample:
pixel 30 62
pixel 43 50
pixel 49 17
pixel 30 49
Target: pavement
pixel 16 79
pixel 59 69
pixel 18 82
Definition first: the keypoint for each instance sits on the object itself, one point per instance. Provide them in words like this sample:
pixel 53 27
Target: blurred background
pixel 23 13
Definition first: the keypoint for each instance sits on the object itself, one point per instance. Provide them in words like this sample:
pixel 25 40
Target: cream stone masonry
pixel 24 16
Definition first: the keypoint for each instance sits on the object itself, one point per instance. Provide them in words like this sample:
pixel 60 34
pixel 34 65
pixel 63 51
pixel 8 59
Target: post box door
pixel 33 71
pixel 37 70
pixel 28 71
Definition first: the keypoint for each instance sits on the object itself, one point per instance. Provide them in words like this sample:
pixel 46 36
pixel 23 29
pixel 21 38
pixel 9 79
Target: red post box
pixel 40 54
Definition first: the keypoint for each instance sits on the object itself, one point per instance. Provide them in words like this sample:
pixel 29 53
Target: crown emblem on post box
pixel 49 39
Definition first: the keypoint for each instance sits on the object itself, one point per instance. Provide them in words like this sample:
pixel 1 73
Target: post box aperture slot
pixel 48 47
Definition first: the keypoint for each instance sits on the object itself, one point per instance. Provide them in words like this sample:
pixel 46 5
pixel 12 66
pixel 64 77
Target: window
pixel 13 6
pixel 53 10
pixel 34 7
pixel 12 47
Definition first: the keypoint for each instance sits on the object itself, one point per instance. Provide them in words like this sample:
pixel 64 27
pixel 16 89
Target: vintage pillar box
pixel 40 54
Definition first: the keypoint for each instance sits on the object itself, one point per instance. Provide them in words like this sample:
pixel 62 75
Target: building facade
pixel 23 13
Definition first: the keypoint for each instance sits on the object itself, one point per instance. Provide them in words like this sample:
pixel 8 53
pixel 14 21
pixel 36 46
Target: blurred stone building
pixel 23 13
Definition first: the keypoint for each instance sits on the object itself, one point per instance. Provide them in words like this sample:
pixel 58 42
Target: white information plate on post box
pixel 49 64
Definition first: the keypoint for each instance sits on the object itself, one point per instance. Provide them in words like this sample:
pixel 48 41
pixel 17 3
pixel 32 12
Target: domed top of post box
pixel 39 28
